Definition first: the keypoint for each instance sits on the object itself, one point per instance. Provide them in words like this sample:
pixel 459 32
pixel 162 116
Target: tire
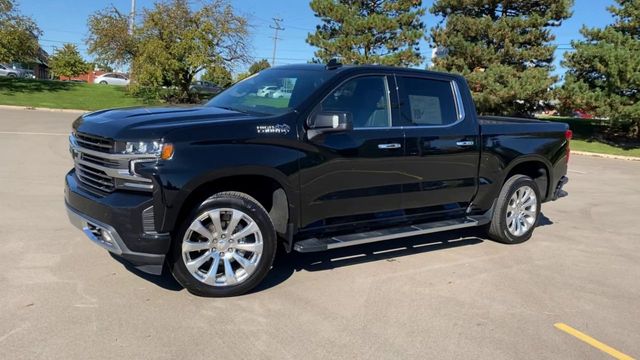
pixel 104 82
pixel 242 262
pixel 513 203
pixel 12 75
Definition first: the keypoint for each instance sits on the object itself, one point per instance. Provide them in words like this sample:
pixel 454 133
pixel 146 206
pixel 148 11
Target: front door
pixel 442 145
pixel 352 176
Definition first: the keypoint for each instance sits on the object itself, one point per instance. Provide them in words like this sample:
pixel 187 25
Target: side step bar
pixel 315 244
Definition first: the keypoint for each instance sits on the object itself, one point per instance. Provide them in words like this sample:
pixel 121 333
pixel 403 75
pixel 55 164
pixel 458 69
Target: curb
pixel 606 156
pixel 13 107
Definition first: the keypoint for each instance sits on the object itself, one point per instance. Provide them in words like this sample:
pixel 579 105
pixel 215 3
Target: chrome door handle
pixel 389 146
pixel 465 143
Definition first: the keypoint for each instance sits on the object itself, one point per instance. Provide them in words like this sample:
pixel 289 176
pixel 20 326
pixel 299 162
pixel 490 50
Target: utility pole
pixel 132 16
pixel 277 28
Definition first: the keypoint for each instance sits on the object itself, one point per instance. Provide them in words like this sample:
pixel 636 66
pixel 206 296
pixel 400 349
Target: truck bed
pixel 496 125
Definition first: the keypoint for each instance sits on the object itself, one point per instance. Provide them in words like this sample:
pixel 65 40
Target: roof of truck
pixel 341 68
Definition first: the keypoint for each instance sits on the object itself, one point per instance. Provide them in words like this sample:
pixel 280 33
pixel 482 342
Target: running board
pixel 315 244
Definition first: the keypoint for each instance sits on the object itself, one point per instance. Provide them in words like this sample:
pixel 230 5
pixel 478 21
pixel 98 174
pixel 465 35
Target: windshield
pixel 271 91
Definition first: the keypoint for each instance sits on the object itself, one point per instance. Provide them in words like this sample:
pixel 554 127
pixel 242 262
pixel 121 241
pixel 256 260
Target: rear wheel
pixel 225 247
pixel 517 210
pixel 12 75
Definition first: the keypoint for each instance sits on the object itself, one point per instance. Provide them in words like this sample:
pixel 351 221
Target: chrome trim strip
pixel 116 173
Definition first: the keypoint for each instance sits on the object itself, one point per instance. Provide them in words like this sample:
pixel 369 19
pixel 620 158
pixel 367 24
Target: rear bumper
pixel 114 222
pixel 559 192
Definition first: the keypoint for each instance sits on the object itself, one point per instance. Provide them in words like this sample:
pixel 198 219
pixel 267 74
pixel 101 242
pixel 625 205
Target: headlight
pixel 143 147
pixel 162 150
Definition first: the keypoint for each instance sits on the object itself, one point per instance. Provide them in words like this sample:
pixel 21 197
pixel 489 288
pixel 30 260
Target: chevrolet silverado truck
pixel 355 154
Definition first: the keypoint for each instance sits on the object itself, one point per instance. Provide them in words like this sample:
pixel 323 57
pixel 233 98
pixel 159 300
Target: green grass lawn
pixel 585 136
pixel 598 147
pixel 63 95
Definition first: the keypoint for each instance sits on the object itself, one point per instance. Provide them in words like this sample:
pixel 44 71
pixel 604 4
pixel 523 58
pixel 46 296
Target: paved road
pixel 448 296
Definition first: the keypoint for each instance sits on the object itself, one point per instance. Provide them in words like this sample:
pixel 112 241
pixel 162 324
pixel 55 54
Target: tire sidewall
pixel 512 187
pixel 252 209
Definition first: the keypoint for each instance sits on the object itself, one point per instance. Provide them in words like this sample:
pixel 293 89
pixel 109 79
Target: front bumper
pixel 114 222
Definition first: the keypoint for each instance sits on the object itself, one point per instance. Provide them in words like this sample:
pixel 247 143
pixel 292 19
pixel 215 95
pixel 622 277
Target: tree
pixel 369 31
pixel 68 62
pixel 109 39
pixel 259 66
pixel 18 34
pixel 173 42
pixel 503 48
pixel 603 75
pixel 218 75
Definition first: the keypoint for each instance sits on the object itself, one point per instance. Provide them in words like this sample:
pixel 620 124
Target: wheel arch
pixel 536 167
pixel 268 187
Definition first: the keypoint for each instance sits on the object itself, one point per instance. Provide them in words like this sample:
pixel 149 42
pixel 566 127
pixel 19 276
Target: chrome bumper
pixel 107 237
pixel 101 234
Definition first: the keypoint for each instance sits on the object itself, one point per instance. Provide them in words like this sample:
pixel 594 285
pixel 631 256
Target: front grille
pixel 99 167
pixel 95 177
pixel 94 142
pixel 100 160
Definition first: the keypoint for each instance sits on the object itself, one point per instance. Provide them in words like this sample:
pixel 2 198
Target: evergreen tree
pixel 259 66
pixel 603 74
pixel 218 75
pixel 368 31
pixel 68 62
pixel 502 48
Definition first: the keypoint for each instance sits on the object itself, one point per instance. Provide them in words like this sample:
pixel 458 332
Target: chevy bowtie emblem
pixel 273 129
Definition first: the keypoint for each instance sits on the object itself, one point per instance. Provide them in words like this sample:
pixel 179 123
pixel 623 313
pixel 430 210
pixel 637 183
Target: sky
pixel 66 21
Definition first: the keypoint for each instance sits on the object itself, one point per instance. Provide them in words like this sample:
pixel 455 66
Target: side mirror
pixel 329 121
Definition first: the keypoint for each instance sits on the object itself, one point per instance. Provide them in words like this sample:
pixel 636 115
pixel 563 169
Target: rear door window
pixel 427 102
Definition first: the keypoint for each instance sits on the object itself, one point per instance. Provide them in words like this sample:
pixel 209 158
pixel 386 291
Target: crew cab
pixel 355 154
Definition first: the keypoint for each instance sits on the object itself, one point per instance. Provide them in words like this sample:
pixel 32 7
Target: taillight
pixel 568 135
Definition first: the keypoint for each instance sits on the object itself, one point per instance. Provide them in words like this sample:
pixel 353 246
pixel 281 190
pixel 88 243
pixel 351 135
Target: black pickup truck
pixel 346 155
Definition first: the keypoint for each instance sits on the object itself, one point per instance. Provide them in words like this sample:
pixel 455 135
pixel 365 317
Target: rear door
pixel 442 145
pixel 353 176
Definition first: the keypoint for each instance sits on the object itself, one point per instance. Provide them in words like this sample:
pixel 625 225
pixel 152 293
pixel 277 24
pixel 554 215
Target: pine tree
pixel 218 75
pixel 503 47
pixel 68 62
pixel 259 66
pixel 603 74
pixel 368 31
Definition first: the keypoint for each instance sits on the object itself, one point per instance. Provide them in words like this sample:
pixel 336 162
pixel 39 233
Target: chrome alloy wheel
pixel 222 247
pixel 521 211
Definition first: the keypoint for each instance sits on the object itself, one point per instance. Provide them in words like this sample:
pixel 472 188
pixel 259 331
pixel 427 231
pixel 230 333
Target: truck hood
pixel 139 123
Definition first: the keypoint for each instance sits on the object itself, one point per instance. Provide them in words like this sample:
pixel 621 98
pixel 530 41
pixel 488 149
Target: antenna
pixel 277 28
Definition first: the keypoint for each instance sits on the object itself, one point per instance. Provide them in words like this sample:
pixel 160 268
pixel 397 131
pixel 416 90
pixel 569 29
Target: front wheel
pixel 103 82
pixel 225 247
pixel 517 210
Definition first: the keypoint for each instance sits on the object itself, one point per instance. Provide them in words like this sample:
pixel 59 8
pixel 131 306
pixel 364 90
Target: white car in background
pixel 282 93
pixel 112 79
pixel 266 91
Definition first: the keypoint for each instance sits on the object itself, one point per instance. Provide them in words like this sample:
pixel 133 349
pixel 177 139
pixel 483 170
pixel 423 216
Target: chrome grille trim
pixel 106 171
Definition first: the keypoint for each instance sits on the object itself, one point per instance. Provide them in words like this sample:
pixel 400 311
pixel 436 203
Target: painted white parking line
pixel 31 133
pixel 576 171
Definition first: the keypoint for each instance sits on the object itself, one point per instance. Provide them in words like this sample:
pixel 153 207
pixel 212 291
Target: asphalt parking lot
pixel 448 296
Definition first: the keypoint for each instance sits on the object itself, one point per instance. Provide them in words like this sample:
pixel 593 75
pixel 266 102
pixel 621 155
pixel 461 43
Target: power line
pixel 277 28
